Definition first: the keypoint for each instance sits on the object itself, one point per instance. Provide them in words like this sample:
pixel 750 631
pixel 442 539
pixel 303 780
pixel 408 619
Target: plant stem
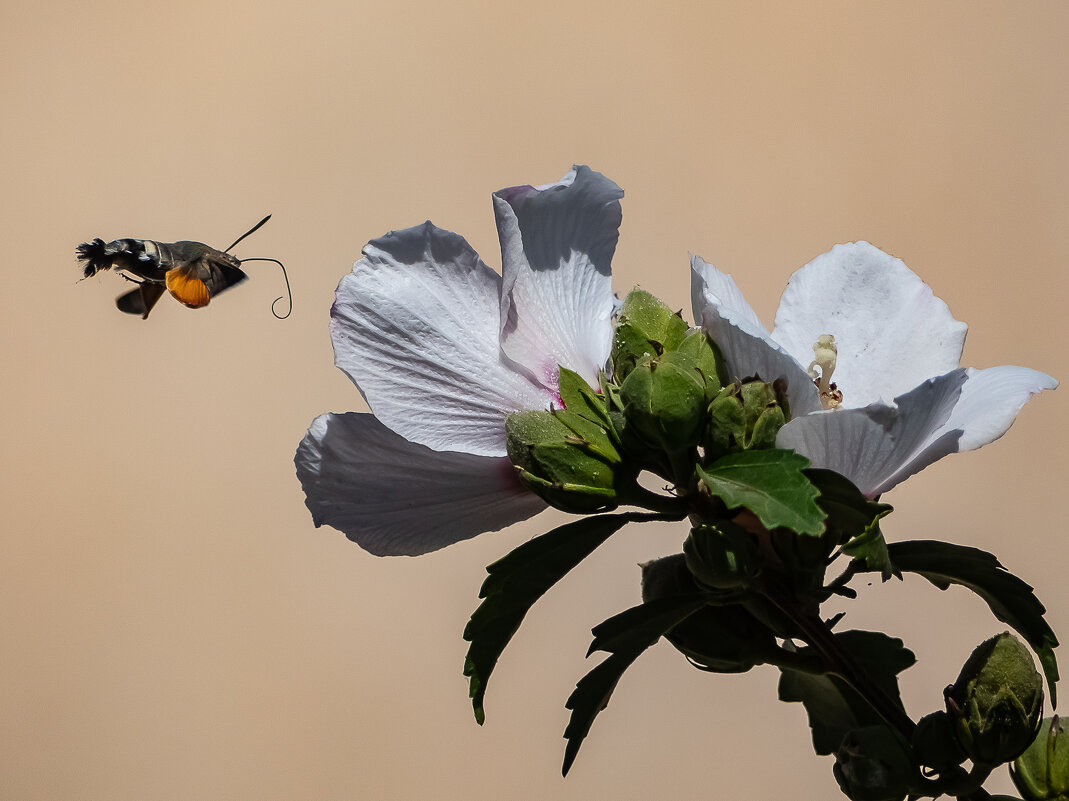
pixel 842 664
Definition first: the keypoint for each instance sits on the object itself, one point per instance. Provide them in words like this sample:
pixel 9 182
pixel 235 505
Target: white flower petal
pixel 880 446
pixel 891 331
pixel 415 326
pixel 710 286
pixel 990 401
pixel 557 243
pixel 393 497
pixel 748 351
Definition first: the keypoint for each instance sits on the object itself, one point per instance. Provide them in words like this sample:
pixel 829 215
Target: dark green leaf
pixel 518 580
pixel 625 636
pixel 850 513
pixel 833 707
pixel 640 626
pixel 1011 600
pixel 771 484
pixel 591 695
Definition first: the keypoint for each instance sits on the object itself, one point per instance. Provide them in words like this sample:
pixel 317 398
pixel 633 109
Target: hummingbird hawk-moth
pixel 192 272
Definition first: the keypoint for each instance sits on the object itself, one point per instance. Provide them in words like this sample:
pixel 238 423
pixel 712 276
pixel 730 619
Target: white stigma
pixel 826 353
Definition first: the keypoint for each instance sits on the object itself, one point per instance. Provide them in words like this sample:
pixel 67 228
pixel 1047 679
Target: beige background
pixel 171 624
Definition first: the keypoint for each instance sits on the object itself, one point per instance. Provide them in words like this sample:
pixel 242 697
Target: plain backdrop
pixel 172 626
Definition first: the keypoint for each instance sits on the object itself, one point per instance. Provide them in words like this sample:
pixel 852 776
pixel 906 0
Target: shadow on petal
pixel 397 498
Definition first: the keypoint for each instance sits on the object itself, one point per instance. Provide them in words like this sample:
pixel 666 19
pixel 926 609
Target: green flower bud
pixel 723 556
pixel 706 359
pixel 645 329
pixel 934 743
pixel 996 702
pixel 566 459
pixel 664 402
pixel 744 416
pixel 722 638
pixel 873 764
pixel 1041 773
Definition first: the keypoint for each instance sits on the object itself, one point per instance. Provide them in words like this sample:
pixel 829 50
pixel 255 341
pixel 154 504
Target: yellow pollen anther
pixel 826 353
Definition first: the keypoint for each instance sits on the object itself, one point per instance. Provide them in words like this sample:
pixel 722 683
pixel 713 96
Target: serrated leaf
pixel 516 581
pixel 591 695
pixel 640 626
pixel 833 707
pixel 625 636
pixel 1010 599
pixel 771 484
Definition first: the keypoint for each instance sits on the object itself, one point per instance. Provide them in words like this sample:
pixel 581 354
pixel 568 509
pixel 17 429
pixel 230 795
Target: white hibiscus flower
pixel 871 360
pixel 443 348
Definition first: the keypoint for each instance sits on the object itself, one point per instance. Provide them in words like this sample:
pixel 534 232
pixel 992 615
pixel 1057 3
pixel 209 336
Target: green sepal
pixel 625 636
pixel 833 707
pixel 516 581
pixel 1010 599
pixel 771 484
pixel 578 397
pixel 646 328
pixel 703 354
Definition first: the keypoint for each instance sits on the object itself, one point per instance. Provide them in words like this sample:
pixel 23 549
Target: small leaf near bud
pixel 1041 773
pixel 996 702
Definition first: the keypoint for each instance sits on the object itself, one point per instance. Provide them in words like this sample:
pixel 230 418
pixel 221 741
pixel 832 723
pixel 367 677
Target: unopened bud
pixel 664 402
pixel 567 460
pixel 722 556
pixel 743 417
pixel 996 702
pixel 873 764
pixel 1041 773
pixel 722 638
pixel 646 328
pixel 934 743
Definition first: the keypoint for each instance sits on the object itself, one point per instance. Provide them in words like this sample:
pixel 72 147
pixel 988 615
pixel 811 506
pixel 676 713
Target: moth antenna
pixel 289 292
pixel 252 230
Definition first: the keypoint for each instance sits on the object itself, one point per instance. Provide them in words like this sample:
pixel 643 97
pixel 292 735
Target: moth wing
pixel 195 283
pixel 140 300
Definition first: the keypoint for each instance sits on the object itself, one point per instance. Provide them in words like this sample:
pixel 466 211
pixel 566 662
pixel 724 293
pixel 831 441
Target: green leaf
pixel 833 707
pixel 591 695
pixel 870 548
pixel 625 636
pixel 1011 599
pixel 640 626
pixel 516 581
pixel 850 513
pixel 771 484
